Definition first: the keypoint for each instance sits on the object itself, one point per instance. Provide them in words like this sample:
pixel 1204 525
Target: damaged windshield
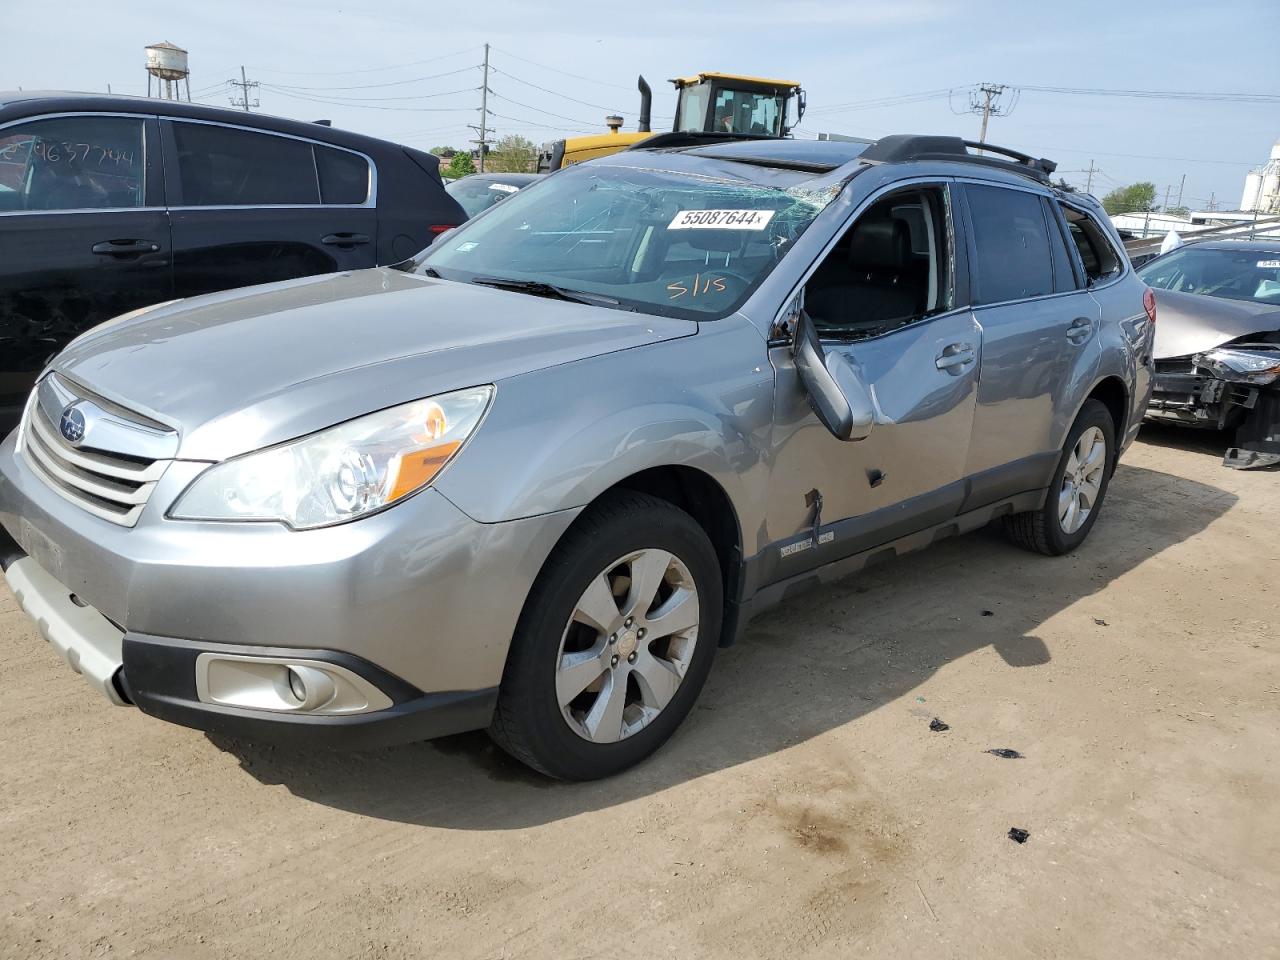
pixel 674 243
pixel 1234 274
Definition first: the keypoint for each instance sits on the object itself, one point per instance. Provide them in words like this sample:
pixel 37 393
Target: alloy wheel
pixel 627 645
pixel 1082 480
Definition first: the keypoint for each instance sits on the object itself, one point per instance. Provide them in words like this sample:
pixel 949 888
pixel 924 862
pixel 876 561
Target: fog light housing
pixel 284 685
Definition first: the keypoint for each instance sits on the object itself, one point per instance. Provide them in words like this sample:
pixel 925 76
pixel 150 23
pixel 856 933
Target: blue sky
pixel 844 53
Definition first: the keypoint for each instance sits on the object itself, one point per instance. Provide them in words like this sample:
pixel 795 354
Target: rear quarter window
pixel 344 176
pixel 1097 255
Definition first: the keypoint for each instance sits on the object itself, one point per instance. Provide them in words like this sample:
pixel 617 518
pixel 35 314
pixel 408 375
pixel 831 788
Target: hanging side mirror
pixel 836 393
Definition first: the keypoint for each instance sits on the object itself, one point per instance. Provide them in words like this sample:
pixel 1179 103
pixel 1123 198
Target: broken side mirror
pixel 837 395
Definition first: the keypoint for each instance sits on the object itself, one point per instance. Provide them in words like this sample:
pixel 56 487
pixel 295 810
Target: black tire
pixel 528 722
pixel 1041 530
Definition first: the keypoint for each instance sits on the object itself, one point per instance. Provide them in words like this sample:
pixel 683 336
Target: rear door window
pixel 225 166
pixel 1013 260
pixel 72 163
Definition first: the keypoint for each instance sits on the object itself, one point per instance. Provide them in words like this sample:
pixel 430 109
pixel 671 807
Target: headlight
pixel 341 473
pixel 1243 366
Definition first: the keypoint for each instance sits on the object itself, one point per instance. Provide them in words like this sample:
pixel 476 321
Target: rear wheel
pixel 1077 490
pixel 615 641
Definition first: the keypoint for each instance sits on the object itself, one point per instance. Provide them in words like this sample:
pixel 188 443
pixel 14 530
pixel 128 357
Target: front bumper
pixel 1192 397
pixel 89 642
pixel 421 599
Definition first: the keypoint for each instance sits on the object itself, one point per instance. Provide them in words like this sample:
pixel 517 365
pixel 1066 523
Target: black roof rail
pixel 694 138
pixel 906 146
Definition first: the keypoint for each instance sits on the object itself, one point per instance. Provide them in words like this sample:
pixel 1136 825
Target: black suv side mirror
pixel 837 395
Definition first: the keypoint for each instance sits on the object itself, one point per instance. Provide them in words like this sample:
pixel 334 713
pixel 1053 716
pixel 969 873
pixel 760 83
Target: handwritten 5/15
pixel 701 286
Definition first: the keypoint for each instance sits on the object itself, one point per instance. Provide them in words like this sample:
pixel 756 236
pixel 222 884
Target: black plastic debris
pixel 1018 835
pixel 988 613
pixel 1100 622
pixel 1004 753
pixel 937 726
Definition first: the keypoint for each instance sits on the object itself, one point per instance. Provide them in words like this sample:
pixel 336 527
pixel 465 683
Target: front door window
pixel 72 163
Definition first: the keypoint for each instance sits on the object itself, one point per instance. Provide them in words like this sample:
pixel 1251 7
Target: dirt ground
pixel 804 810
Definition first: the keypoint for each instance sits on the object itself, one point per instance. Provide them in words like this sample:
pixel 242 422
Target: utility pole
pixel 1213 201
pixel 1165 207
pixel 244 83
pixel 984 99
pixel 1180 186
pixel 483 130
pixel 1088 184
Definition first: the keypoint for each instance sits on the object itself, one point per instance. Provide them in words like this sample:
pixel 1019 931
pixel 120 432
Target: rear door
pixel 250 206
pixel 1039 337
pixel 84 235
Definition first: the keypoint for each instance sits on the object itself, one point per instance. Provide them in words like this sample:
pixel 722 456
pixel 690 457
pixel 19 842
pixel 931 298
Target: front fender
pixel 557 438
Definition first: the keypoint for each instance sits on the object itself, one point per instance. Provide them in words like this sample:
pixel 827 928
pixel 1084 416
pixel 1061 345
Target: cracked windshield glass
pixel 666 242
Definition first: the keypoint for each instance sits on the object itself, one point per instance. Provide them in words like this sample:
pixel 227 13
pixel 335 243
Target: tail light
pixel 1149 304
pixel 438 228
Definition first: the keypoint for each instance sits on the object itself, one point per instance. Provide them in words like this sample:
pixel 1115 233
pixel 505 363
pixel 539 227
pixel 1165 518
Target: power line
pixel 878 102
pixel 356 101
pixel 528 106
pixel 363 106
pixel 340 73
pixel 1146 156
pixel 557 93
pixel 390 83
pixel 1158 94
pixel 576 76
pixel 530 123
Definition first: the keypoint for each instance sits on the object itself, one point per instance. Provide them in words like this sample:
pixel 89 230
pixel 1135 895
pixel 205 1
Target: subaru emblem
pixel 72 425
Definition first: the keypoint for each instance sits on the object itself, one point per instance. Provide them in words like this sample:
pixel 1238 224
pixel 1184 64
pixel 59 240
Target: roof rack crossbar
pixel 900 147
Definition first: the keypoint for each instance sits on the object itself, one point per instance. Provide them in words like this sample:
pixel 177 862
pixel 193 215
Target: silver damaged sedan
pixel 532 479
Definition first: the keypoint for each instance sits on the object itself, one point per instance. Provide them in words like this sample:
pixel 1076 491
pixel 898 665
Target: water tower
pixel 168 64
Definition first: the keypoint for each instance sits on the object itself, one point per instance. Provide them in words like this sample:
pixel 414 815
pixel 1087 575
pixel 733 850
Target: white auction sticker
pixel 721 220
pixel 1269 264
pixel 504 188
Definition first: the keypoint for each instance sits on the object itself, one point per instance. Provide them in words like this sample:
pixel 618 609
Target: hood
pixel 239 370
pixel 1188 323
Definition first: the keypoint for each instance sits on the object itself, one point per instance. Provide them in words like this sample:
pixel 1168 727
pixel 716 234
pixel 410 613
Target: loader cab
pixel 727 103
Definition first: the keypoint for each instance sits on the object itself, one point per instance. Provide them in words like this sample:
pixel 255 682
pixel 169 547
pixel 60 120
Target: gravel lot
pixel 805 809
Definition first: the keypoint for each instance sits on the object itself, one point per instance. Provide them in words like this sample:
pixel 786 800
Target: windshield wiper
pixel 538 288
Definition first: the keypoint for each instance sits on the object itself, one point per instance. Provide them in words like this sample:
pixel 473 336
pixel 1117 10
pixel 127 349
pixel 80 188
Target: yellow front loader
pixel 706 104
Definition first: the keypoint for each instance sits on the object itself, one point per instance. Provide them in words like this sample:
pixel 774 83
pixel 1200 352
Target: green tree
pixel 460 166
pixel 511 154
pixel 1178 212
pixel 1135 198
pixel 445 153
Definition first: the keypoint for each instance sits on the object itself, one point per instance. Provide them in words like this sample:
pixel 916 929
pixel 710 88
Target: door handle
pixel 344 239
pixel 955 357
pixel 124 248
pixel 1080 329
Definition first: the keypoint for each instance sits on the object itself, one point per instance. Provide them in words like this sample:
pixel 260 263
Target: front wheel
pixel 1077 490
pixel 614 643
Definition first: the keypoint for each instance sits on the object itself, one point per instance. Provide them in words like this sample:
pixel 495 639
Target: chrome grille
pixel 112 472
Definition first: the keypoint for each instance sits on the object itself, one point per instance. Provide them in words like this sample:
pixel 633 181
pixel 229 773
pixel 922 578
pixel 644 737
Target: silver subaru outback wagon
pixel 531 480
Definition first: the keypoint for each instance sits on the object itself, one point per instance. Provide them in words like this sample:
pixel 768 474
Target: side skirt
pixel 775 593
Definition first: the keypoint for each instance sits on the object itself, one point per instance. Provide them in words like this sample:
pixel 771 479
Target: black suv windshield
pixel 1234 274
pixel 668 242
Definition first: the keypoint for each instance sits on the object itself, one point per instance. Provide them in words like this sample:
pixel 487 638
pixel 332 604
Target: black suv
pixel 110 204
